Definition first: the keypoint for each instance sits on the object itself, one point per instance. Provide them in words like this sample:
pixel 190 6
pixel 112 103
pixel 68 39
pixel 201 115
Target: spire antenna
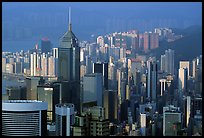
pixel 70 25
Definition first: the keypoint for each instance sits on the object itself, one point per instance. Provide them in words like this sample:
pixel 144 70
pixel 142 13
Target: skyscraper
pixel 33 64
pixel 103 69
pixel 44 64
pixel 69 51
pixel 69 62
pixel 185 64
pixel 100 40
pixel 64 119
pixel 152 81
pixel 93 88
pixel 45 45
pixel 51 94
pixel 182 79
pixel 110 104
pixel 167 62
pixel 188 110
pixel 143 124
pixel 171 116
pixel 24 118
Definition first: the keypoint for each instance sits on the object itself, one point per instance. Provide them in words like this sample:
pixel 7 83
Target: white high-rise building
pixel 44 64
pixel 182 79
pixel 185 64
pixel 82 55
pixel 143 124
pixel 188 110
pixel 33 64
pixel 100 41
pixel 64 119
pixel 51 66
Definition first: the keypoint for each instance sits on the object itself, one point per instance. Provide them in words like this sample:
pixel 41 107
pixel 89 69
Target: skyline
pixel 120 83
pixel 98 18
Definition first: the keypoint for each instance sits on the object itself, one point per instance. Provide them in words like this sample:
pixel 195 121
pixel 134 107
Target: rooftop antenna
pixel 70 25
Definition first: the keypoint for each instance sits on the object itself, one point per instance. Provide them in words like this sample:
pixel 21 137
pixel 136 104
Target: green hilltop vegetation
pixel 186 48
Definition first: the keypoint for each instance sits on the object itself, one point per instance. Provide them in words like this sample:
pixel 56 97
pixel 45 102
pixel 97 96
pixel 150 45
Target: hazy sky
pixel 33 20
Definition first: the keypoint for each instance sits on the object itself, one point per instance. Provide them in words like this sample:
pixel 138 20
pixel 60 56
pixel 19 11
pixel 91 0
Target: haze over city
pixel 98 18
pixel 102 69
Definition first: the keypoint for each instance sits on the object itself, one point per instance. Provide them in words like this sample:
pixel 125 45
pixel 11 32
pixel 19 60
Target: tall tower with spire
pixel 69 62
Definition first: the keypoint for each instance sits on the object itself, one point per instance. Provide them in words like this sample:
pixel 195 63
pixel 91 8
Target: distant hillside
pixel 185 48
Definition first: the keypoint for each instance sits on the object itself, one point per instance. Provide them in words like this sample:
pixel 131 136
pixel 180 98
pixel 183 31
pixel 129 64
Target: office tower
pixel 103 69
pixel 69 56
pixel 182 79
pixel 44 64
pixel 154 40
pixel 119 86
pixel 167 62
pixel 55 55
pixel 123 89
pixel 88 65
pixel 51 66
pixel 69 62
pixel 152 80
pixel 39 67
pixel 16 92
pixel 111 71
pixel 194 67
pixel 31 85
pixel 98 123
pixel 64 119
pixel 171 116
pixel 110 103
pixel 163 86
pixel 24 118
pixel 143 124
pixel 33 64
pixel 146 41
pixel 82 55
pixel 93 88
pixel 45 45
pixel 185 64
pixel 3 64
pixel 18 67
pixel 188 110
pixel 49 93
pixel 9 68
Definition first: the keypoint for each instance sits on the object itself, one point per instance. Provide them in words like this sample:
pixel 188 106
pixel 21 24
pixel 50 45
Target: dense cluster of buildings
pixel 105 88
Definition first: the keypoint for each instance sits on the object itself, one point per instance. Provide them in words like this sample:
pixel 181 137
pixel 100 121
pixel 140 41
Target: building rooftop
pixel 21 101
